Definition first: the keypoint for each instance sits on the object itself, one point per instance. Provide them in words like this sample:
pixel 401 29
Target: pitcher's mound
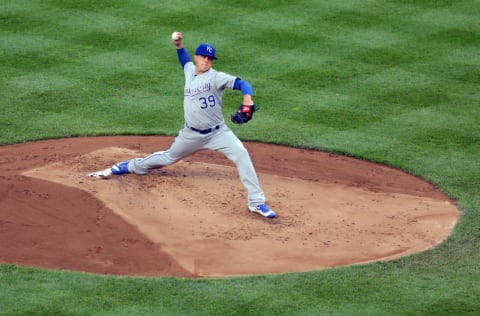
pixel 191 219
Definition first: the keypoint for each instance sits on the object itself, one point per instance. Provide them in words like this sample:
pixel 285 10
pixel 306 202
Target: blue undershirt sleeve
pixel 183 56
pixel 242 85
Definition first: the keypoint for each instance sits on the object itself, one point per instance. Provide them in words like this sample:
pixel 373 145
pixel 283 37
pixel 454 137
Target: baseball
pixel 175 36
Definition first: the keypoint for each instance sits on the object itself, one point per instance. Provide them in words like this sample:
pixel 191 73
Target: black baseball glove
pixel 244 113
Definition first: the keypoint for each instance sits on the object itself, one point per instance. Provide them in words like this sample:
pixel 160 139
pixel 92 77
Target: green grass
pixel 397 82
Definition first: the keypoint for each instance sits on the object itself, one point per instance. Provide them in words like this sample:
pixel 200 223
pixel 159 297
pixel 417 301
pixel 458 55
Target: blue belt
pixel 204 131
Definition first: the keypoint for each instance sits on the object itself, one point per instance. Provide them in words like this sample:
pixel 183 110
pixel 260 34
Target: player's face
pixel 202 63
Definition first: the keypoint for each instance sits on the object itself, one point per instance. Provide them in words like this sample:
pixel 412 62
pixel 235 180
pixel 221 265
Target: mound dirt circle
pixel 190 219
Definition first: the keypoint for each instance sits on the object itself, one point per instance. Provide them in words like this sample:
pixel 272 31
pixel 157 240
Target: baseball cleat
pixel 263 210
pixel 102 174
pixel 120 168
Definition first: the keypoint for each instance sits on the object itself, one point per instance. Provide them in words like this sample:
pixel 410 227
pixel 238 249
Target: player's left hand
pixel 244 113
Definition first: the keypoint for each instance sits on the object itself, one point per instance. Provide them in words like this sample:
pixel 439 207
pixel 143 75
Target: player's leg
pixel 226 142
pixel 186 143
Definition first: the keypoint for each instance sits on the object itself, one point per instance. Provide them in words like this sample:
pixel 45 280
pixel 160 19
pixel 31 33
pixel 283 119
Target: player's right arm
pixel 183 56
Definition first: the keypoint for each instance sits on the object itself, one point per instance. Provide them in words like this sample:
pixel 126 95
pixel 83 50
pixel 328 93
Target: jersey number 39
pixel 207 102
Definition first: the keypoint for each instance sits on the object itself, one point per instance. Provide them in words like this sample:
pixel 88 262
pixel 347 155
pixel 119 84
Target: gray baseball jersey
pixel 203 96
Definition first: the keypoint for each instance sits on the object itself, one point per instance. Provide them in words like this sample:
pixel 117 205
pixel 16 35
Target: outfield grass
pixel 397 82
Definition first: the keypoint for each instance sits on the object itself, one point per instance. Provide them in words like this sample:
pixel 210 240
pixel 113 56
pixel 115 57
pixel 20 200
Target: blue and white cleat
pixel 120 168
pixel 263 210
pixel 102 174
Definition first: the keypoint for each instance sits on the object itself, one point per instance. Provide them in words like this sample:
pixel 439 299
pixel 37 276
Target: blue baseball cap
pixel 206 49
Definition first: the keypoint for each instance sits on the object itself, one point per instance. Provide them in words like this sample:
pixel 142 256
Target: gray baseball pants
pixel 188 142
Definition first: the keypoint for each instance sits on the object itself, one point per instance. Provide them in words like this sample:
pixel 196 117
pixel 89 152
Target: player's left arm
pixel 245 111
pixel 246 89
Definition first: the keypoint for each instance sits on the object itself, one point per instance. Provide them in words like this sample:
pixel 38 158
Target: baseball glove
pixel 244 113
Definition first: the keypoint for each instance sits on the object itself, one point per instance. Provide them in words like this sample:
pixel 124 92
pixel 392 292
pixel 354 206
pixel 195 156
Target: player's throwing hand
pixel 177 39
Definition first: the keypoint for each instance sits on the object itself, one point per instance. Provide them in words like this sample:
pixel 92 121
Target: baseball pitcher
pixel 204 127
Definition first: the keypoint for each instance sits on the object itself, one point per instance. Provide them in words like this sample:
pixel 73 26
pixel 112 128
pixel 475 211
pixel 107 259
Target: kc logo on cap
pixel 206 50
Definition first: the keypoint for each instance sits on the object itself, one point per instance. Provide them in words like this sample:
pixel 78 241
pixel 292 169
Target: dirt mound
pixel 190 219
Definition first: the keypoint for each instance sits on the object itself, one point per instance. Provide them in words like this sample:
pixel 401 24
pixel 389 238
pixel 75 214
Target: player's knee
pixel 241 154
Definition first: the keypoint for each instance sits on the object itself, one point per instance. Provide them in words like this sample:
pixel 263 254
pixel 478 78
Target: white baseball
pixel 175 36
